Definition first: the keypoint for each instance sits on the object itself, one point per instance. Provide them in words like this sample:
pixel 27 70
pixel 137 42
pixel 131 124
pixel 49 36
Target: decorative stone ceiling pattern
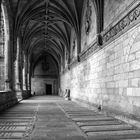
pixel 45 25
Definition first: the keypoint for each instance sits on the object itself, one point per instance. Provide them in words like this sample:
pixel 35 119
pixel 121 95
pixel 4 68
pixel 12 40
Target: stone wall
pixel 110 77
pixel 26 94
pixel 88 30
pixel 7 99
pixel 43 76
pixel 114 9
pixel 39 85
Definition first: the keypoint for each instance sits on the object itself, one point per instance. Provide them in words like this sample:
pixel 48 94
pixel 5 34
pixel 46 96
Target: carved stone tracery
pixel 132 16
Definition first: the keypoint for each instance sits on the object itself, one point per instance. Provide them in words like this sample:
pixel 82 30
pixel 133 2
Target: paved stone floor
pixel 53 118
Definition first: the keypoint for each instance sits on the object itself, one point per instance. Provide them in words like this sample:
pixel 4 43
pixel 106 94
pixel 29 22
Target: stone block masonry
pixel 7 99
pixel 110 77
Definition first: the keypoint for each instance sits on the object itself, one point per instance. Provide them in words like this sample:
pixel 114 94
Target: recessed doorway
pixel 48 89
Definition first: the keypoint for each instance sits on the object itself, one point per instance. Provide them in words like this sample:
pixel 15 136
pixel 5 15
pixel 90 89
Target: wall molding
pixel 90 50
pixel 126 22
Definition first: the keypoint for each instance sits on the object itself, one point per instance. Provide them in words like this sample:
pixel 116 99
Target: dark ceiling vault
pixel 44 26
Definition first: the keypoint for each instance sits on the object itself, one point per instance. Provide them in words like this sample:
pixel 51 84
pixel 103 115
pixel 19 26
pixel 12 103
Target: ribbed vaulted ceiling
pixel 44 26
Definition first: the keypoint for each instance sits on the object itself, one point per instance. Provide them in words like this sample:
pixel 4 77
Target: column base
pixel 26 94
pixel 19 95
pixel 7 86
pixel 8 90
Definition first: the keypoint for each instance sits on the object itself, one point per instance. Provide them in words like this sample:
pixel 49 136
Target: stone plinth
pixel 7 99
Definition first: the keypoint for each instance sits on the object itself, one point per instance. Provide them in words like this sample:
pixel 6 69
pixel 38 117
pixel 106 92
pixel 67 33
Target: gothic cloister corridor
pixel 70 69
pixel 53 118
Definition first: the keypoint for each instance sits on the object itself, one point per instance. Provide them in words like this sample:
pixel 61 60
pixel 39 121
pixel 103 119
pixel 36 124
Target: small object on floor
pixel 99 108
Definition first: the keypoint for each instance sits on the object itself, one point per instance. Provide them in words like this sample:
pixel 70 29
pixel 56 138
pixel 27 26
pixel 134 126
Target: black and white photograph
pixel 69 69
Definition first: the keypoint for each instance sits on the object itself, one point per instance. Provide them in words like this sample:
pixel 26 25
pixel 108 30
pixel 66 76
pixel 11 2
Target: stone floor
pixel 52 118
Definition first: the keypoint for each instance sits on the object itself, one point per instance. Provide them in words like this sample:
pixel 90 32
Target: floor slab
pixel 53 118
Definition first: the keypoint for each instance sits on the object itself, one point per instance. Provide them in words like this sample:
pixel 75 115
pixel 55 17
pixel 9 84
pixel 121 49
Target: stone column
pixel 28 77
pixel 69 61
pixel 17 82
pixel 27 74
pixel 29 84
pixel 24 73
pixel 78 46
pixel 6 49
